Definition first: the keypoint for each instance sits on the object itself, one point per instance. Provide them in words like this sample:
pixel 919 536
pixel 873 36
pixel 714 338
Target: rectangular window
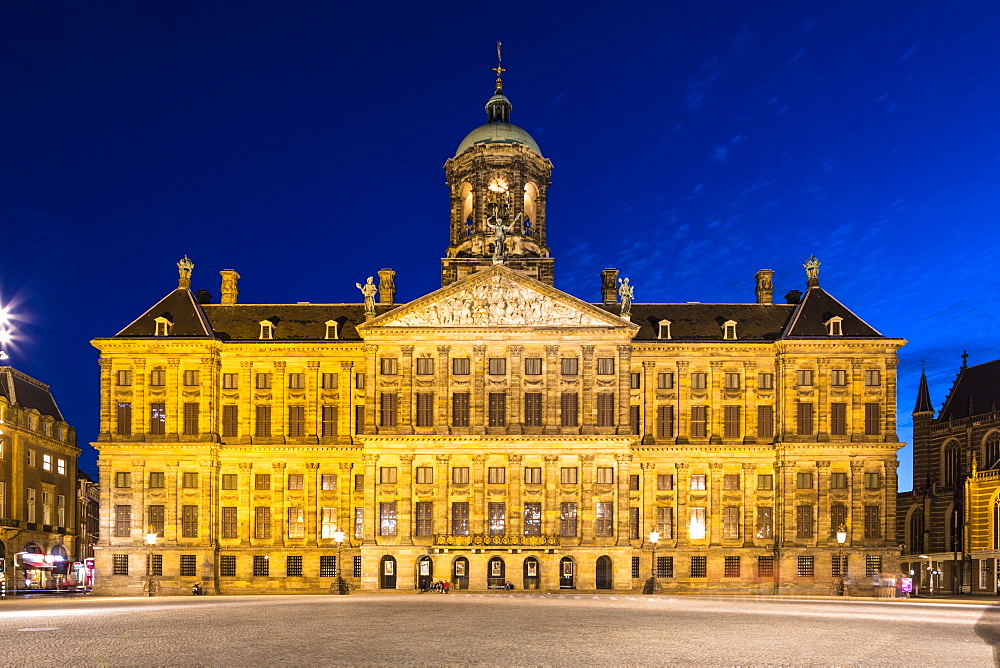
pixel 263 381
pixel 46 462
pixel 731 567
pixel 665 481
pixel 699 381
pixel 765 522
pixel 425 366
pixel 765 381
pixel 293 566
pixel 873 565
pixel 838 377
pixel 838 566
pixel 765 567
pixel 296 481
pixel 261 566
pixel 731 422
pixel 496 518
pixel 698 524
pixel 765 481
pixel 732 381
pixel 460 409
pixel 838 518
pixel 388 366
pixel 328 482
pixel 189 521
pixel 329 381
pixel 123 480
pixel 804 419
pixel 838 481
pixel 569 413
pixel 387 518
pixel 262 522
pixel 605 409
pixel 123 521
pixel 664 421
pixel 532 519
pixel 460 366
pixel 388 409
pixel 804 522
pixel 635 381
pixel 806 567
pixel 359 381
pixel 359 482
pixel 124 421
pixel 263 423
pixel 873 378
pixel 872 419
pixel 605 366
pixel 262 481
pixel 633 523
pixel 533 475
pixel 190 378
pixel 567 475
pixel 731 481
pixel 327 522
pixel 699 567
pixel 665 522
pixel 157 378
pixel 119 564
pixel 497 409
pixel 633 419
pixel 425 518
pixel 157 418
pixel 699 421
pixel 357 566
pixel 532 366
pixel 804 480
pixel 230 420
pixel 605 519
pixel 230 381
pixel 665 381
pixel 328 426
pixel 387 475
pixel 124 377
pixel 873 523
pixel 497 475
pixel 425 475
pixel 698 481
pixel 605 475
pixel 359 523
pixel 460 518
pixel 664 567
pixel 157 480
pixel 296 421
pixel 570 366
pixel 155 516
pixel 838 419
pixel 804 377
pixel 460 475
pixel 532 409
pixel 425 409
pixel 189 480
pixel 567 519
pixel 496 366
pixel 154 565
pixel 873 480
pixel 191 419
pixel 230 526
pixel 296 381
pixel 359 419
pixel 29 511
pixel 731 522
pixel 765 421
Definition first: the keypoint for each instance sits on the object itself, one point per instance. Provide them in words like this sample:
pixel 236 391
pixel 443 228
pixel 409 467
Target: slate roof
pixel 701 322
pixel 295 322
pixel 976 391
pixel 179 307
pixel 816 308
pixel 25 391
pixel 924 404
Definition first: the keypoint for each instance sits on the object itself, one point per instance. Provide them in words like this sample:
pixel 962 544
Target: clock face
pixel 499 185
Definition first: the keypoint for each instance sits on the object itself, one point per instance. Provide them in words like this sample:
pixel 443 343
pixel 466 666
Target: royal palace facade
pixel 498 429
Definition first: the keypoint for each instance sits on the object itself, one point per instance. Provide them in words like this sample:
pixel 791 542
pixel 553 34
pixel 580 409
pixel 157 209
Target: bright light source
pixel 654 537
pixel 338 536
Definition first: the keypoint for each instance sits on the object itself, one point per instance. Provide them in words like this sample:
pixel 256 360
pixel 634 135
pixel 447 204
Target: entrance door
pixel 496 573
pixel 460 573
pixel 567 578
pixel 604 572
pixel 387 573
pixel 425 573
pixel 532 576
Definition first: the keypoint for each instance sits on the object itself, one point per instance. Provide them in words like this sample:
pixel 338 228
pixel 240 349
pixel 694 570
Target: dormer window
pixel 163 326
pixel 266 329
pixel 833 327
pixel 729 330
pixel 664 332
pixel 331 330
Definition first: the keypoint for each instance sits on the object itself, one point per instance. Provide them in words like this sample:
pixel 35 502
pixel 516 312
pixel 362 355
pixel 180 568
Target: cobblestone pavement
pixel 495 629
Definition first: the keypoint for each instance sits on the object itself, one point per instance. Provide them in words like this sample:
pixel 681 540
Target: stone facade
pixel 497 429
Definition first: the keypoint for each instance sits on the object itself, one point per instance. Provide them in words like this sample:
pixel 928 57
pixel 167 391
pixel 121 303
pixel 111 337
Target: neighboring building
pixel 947 524
pixel 88 499
pixel 497 429
pixel 38 457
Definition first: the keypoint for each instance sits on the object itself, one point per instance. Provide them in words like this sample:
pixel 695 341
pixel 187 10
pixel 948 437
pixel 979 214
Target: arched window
pixel 387 573
pixel 496 573
pixel 916 544
pixel 949 464
pixel 604 580
pixel 991 451
pixel 530 209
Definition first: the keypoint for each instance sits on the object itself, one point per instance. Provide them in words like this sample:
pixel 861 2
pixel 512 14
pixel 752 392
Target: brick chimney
pixel 386 286
pixel 765 287
pixel 609 286
pixel 230 291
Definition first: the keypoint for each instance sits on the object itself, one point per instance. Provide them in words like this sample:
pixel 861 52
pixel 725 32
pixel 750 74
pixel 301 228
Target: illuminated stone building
pixel 38 457
pixel 498 429
pixel 948 524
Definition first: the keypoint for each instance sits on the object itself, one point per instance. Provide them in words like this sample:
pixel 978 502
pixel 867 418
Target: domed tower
pixel 498 181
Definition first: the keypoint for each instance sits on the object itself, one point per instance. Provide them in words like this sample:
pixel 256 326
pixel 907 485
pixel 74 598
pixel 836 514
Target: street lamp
pixel 341 585
pixel 151 584
pixel 841 539
pixel 653 585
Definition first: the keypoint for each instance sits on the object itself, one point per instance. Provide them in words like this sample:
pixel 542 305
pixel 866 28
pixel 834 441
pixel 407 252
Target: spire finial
pixel 812 271
pixel 498 69
pixel 184 268
pixel 965 359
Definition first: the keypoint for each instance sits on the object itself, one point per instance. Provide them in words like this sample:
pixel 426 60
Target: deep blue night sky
pixel 301 143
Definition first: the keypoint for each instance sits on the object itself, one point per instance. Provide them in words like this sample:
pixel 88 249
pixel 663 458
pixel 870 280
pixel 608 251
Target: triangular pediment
pixel 498 297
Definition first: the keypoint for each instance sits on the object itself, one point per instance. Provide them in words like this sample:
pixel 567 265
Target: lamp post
pixel 341 585
pixel 653 586
pixel 151 584
pixel 841 539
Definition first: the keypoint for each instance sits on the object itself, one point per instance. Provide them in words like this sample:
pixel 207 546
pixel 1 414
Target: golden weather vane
pixel 498 69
